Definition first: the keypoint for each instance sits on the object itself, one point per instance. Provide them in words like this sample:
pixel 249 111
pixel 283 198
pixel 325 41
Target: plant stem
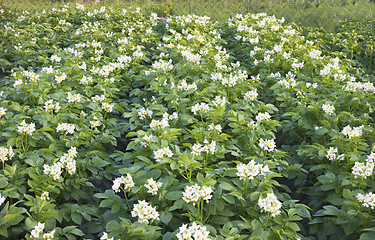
pixel 202 202
pixel 268 215
pixel 246 182
pixel 127 202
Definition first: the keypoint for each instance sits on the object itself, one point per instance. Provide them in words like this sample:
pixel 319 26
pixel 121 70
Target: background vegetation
pixel 311 13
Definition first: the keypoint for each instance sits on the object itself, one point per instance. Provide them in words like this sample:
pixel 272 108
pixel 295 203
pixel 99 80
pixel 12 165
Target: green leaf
pixel 347 194
pixel 226 186
pixel 77 232
pixel 3 182
pixel 200 178
pixel 165 217
pixel 112 226
pixel 293 226
pixel 76 217
pixel 367 236
pixel 230 199
pixel 175 195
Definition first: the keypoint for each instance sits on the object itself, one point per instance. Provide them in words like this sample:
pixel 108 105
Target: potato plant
pixel 121 125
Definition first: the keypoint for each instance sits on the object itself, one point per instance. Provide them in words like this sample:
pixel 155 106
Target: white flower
pixel 153 186
pixel 143 113
pixel 315 54
pixel 127 181
pixel 145 212
pixel 162 152
pixel 65 127
pixel 6 154
pixel 44 196
pixel 107 107
pixel 49 106
pixel 60 78
pixel 39 227
pixel 270 204
pixel 367 200
pixel 331 153
pixel 95 123
pixel 268 145
pixel 146 140
pixel 215 127
pixel 219 102
pixel 74 98
pixel 251 170
pixel 67 161
pixel 105 237
pixel 86 80
pixel 98 98
pixel 200 107
pixel 2 111
pixel 2 199
pixel 194 193
pixel 49 236
pixel 328 109
pixel 195 232
pixel 263 116
pixel 355 132
pixel 55 58
pixel 251 95
pixel 364 169
pixel 163 65
pixel 26 128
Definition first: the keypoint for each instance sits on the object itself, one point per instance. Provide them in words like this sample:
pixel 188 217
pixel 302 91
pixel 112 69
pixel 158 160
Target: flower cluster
pixel 6 154
pixel 200 107
pixel 60 78
pixel 2 111
pixel 251 170
pixel 328 109
pixel 26 128
pixel 159 154
pixel 195 192
pixel 268 145
pixel 145 212
pixel 146 140
pixel 105 237
pixel 50 106
pixel 331 154
pixel 44 196
pixel 74 98
pixel 367 200
pixel 186 87
pixel 163 65
pixel 161 124
pixel 215 127
pixel 263 117
pixel 194 232
pixel 153 186
pixel 67 161
pixel 127 181
pixel 219 101
pixel 107 107
pixel 364 169
pixel 65 127
pixel 95 123
pixel 197 148
pixel 270 204
pixel 142 113
pixel 355 132
pixel 38 229
pixel 251 95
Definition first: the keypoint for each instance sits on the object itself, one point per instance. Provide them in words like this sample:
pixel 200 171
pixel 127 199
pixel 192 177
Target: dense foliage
pixel 115 124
